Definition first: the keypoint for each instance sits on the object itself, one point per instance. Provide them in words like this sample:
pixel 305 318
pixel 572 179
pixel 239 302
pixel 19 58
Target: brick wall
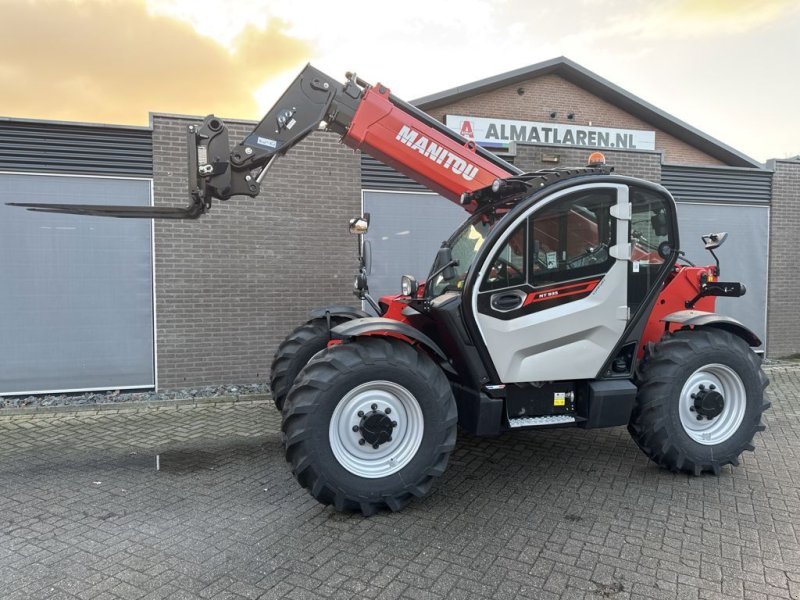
pixel 646 165
pixel 549 93
pixel 783 316
pixel 231 285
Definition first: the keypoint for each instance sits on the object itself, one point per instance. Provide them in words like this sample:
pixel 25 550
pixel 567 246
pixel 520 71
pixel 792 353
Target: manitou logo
pixel 435 152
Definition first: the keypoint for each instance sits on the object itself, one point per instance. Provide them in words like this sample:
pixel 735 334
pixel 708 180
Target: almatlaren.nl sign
pixel 500 132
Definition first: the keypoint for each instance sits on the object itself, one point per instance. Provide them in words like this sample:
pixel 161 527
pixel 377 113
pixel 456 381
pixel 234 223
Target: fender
pixel 389 327
pixel 337 311
pixel 699 318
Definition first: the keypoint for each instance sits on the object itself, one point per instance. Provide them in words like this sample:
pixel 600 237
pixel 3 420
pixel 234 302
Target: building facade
pixel 93 303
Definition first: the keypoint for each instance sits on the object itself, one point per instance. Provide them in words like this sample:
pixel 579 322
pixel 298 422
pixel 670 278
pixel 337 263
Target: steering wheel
pixel 505 270
pixel 592 256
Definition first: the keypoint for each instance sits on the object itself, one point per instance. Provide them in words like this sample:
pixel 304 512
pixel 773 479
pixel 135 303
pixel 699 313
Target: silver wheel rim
pixel 720 428
pixel 389 457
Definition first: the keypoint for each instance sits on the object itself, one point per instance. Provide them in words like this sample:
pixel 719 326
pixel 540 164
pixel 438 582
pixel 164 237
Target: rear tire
pixel 700 401
pixel 294 353
pixel 341 397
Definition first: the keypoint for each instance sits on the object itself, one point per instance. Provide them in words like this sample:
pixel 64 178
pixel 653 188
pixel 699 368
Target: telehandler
pixel 563 300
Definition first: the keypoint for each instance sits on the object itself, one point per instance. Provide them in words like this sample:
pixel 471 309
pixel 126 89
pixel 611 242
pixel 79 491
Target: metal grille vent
pixel 727 185
pixel 377 176
pixel 40 146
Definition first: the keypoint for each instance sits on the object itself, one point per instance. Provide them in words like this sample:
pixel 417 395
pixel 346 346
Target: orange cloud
pixel 111 61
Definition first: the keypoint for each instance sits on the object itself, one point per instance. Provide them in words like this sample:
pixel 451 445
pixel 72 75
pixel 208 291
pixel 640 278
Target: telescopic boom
pixel 369 118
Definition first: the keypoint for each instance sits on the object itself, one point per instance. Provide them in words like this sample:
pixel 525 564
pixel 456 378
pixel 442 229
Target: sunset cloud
pixel 117 60
pixel 723 16
pixel 113 61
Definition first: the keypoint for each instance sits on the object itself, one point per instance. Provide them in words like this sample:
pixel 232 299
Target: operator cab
pixel 550 283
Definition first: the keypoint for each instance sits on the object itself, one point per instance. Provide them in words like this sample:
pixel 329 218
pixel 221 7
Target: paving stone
pixel 552 514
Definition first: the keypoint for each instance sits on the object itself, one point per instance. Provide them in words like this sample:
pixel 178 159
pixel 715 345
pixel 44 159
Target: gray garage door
pixel 744 256
pixel 405 232
pixel 76 293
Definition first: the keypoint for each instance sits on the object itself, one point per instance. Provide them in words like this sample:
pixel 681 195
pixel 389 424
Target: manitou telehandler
pixel 559 302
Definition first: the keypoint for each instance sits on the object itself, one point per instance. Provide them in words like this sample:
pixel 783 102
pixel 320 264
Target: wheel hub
pixel 708 403
pixel 712 404
pixel 376 428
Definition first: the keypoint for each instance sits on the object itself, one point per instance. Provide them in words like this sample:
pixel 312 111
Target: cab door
pixel 551 300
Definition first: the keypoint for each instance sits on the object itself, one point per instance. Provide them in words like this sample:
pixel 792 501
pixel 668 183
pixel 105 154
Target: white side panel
pixel 571 341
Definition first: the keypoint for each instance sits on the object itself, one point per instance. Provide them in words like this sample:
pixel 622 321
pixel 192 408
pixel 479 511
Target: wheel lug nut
pixel 394 424
pixel 374 407
pixel 362 441
pixel 355 428
pixel 388 410
pixel 361 414
pixel 693 396
pixel 702 387
pixel 376 446
pixel 389 439
pixel 712 387
pixel 699 417
pixel 691 408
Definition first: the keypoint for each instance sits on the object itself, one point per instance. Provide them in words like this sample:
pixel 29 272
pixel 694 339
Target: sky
pixel 727 67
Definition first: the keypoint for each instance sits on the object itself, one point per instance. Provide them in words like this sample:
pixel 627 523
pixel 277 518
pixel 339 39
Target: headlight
pixel 408 286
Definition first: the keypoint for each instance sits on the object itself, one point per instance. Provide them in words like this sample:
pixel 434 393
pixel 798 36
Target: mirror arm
pixel 372 303
pixel 448 264
pixel 716 269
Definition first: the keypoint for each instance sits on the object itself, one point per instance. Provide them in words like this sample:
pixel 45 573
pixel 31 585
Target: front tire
pixel 700 401
pixel 381 391
pixel 294 353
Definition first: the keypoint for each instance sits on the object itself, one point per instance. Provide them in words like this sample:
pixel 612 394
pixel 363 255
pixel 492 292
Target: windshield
pixel 465 245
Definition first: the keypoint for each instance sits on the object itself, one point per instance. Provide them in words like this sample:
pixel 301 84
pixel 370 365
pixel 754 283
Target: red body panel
pixel 396 305
pixel 682 285
pixel 398 139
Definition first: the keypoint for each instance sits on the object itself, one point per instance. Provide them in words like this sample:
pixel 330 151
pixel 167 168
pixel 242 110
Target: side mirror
pixel 714 240
pixel 367 257
pixel 659 223
pixel 445 257
pixel 359 225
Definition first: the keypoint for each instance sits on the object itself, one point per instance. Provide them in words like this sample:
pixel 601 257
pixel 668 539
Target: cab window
pixel 652 239
pixel 650 226
pixel 508 267
pixel 571 238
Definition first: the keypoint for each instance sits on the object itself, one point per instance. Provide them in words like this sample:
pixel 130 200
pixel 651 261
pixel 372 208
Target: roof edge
pixel 32 121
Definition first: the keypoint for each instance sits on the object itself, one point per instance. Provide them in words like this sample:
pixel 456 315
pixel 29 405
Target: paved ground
pixel 558 514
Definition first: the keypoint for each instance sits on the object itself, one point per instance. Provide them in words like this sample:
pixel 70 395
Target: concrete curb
pixel 133 406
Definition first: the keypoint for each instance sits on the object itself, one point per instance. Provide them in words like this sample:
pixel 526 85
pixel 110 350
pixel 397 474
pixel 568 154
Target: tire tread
pixel 290 353
pixel 318 376
pixel 662 364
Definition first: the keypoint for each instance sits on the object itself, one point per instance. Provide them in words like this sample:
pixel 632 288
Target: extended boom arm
pixel 368 118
